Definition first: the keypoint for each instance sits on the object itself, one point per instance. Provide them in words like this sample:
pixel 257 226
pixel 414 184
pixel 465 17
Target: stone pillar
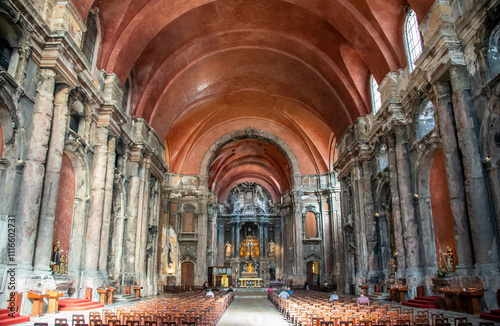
pixel 201 250
pixel 221 252
pixel 406 199
pixel 22 63
pixel 45 232
pixel 480 214
pixel 455 178
pixel 261 240
pixel 108 200
pixel 28 206
pixel 94 221
pixel 300 272
pixel 238 230
pixel 369 219
pixel 141 258
pixel 131 224
pixel 118 226
pixel 396 208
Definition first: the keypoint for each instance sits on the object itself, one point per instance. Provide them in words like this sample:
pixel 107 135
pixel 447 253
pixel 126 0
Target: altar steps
pixel 379 296
pixel 78 304
pixel 126 298
pixel 431 302
pixel 494 315
pixel 6 320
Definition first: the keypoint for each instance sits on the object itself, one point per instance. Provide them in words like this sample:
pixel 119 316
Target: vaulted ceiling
pixel 298 69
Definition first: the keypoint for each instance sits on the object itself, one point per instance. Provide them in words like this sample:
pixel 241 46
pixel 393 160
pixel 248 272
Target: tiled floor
pixel 250 307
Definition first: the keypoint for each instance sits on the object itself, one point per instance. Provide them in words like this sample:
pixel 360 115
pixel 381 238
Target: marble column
pixel 220 251
pixel 108 200
pixel 28 206
pixel 261 240
pixel 407 202
pixel 359 239
pixel 94 221
pixel 300 272
pixel 369 219
pixel 51 182
pixel 118 225
pixel 131 223
pixel 201 250
pixel 144 221
pixel 396 208
pixel 238 230
pixel 480 214
pixel 455 178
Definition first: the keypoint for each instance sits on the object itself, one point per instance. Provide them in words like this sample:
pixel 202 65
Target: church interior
pixel 154 146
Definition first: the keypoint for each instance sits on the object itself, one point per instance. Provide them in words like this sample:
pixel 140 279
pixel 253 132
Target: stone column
pixel 359 239
pixel 370 224
pixel 455 178
pixel 300 272
pixel 28 206
pixel 94 221
pixel 406 199
pixel 480 215
pixel 261 240
pixel 118 226
pixel 45 232
pixel 108 200
pixel 201 250
pixel 144 221
pixel 22 63
pixel 396 208
pixel 238 230
pixel 221 252
pixel 131 224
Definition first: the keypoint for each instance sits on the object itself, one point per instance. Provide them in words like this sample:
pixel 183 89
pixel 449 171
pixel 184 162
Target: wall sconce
pixel 377 214
pixel 415 196
pixel 487 159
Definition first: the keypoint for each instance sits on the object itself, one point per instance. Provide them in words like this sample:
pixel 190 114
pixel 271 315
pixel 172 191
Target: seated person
pixel 284 294
pixel 230 289
pixel 334 297
pixel 289 291
pixel 362 300
pixel 209 294
pixel 270 289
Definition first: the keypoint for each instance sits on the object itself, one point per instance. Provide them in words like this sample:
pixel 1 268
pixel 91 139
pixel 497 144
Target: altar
pixel 250 282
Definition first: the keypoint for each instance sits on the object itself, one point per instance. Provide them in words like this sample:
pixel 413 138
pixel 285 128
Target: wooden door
pixel 187 274
pixel 310 274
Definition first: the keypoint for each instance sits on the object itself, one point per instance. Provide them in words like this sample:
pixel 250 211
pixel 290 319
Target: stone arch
pixel 13 34
pixel 248 133
pixel 78 159
pixel 423 205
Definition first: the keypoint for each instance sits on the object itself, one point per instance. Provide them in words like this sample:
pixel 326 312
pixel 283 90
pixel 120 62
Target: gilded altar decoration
pixel 250 244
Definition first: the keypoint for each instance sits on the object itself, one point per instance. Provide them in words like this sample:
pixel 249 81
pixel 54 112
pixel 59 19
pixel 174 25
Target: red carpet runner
pixel 78 304
pixel 5 319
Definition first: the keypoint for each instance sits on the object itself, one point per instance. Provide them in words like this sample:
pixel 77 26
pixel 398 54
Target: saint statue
pixel 271 246
pixel 228 247
pixel 450 260
pixel 55 260
pixel 250 268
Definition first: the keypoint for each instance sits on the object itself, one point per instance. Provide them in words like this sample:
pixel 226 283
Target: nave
pixel 254 307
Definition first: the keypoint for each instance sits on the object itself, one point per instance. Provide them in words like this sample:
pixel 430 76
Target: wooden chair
pixel 459 320
pixel 326 323
pixel 60 321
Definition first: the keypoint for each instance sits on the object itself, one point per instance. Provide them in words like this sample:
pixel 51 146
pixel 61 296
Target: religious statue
pixel 450 260
pixel 55 260
pixel 271 246
pixel 250 267
pixel 228 249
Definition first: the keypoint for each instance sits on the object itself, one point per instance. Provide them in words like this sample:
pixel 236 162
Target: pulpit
pixel 364 288
pixel 37 297
pixel 88 294
pixel 463 300
pixel 53 301
pixel 398 293
pixel 402 290
pixel 111 294
pixel 137 290
pixel 102 292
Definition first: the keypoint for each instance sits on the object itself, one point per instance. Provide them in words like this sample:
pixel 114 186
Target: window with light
pixel 376 100
pixel 413 42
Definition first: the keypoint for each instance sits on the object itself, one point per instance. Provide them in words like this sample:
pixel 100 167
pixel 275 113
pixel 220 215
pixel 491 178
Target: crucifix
pixel 250 245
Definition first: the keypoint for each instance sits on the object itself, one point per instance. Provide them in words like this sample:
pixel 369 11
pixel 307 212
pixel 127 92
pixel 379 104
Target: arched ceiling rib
pixel 297 69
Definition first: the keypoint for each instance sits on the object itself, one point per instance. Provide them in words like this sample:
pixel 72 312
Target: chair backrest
pixel 60 321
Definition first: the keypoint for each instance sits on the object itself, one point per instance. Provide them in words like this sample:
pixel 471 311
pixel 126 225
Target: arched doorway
pixel 313 274
pixel 187 278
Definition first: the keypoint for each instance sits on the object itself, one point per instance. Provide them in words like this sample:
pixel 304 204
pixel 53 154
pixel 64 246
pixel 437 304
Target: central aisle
pixel 252 308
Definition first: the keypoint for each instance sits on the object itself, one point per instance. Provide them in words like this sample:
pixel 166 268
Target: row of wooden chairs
pixel 309 308
pixel 188 308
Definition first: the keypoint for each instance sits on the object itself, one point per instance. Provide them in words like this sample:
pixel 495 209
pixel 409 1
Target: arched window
pixel 376 100
pixel 5 53
pixel 90 38
pixel 383 157
pixel 126 95
pixel 311 226
pixel 188 223
pixel 412 40
pixel 425 118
